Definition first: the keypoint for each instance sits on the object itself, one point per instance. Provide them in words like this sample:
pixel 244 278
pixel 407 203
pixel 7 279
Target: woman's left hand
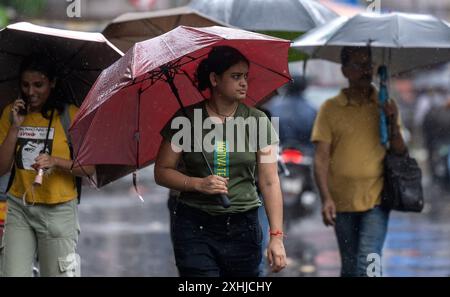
pixel 276 253
pixel 44 161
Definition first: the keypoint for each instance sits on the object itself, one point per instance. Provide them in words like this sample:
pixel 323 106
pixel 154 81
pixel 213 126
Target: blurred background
pixel 123 237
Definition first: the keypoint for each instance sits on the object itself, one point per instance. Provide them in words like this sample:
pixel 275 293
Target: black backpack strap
pixel 12 173
pixel 65 122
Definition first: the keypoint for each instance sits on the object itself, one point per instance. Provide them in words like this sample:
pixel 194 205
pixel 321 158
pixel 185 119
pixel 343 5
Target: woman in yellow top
pixel 41 219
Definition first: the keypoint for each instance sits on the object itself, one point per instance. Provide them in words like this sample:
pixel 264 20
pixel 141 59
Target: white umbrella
pixel 400 40
pixel 267 15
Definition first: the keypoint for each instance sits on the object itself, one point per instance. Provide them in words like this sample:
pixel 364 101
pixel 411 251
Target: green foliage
pixel 27 7
pixel 3 17
pixel 294 55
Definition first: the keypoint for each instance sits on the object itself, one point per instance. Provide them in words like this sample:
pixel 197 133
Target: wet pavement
pixel 122 236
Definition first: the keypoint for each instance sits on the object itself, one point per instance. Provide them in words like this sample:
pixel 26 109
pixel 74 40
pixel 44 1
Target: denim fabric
pixel 216 246
pixel 264 222
pixel 360 234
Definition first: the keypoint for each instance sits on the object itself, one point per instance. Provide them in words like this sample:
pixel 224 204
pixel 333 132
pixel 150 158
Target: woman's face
pixel 232 84
pixel 36 87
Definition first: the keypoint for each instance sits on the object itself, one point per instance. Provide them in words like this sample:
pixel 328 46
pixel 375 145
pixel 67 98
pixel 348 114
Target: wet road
pixel 123 237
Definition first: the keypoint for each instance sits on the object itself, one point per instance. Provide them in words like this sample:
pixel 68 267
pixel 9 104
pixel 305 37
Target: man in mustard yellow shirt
pixel 348 164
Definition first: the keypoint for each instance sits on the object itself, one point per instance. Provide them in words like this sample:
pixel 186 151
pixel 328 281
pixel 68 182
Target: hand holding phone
pixel 23 110
pixel 18 111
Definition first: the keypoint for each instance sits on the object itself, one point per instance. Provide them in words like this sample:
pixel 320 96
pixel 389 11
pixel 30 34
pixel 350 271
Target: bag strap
pixel 65 122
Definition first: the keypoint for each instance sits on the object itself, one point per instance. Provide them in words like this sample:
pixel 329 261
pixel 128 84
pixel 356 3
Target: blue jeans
pixel 226 245
pixel 264 222
pixel 360 234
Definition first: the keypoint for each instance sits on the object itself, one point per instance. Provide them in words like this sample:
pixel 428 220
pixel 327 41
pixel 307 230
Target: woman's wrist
pixel 57 163
pixel 62 164
pixel 191 184
pixel 14 130
pixel 277 233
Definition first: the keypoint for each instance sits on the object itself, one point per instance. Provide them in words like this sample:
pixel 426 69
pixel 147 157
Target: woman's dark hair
pixel 42 64
pixel 219 60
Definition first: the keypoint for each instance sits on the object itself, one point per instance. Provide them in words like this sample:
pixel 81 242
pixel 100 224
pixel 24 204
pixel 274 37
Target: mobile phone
pixel 23 111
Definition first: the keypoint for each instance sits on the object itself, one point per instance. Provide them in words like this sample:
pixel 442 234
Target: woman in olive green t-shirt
pixel 210 240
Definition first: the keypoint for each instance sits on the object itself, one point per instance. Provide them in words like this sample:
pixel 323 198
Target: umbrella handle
pixel 225 201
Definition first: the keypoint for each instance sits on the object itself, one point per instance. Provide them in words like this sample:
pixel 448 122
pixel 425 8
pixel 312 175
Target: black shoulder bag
pixel 402 182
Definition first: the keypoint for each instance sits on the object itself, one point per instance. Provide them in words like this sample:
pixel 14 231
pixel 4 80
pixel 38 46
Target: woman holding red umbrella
pixel 209 239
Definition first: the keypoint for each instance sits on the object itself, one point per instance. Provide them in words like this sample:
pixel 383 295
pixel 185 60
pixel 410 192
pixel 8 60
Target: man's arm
pixel 397 143
pixel 321 165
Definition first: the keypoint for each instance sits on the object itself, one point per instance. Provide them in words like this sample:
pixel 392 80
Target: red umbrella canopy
pixel 118 125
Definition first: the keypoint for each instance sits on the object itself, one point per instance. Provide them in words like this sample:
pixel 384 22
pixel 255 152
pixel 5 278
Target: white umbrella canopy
pixel 400 40
pixel 286 19
pixel 267 15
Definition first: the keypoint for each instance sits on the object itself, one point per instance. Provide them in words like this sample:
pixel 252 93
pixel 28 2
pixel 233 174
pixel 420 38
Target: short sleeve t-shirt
pixel 57 186
pixel 355 176
pixel 230 149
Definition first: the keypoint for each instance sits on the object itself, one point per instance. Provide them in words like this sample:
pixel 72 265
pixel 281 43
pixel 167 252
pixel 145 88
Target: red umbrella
pixel 117 127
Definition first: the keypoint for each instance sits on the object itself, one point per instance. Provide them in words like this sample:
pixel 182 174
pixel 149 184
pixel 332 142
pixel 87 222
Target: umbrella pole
pixel 383 97
pixel 137 138
pixel 224 200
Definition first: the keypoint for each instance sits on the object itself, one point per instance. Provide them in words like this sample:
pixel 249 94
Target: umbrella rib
pixel 193 84
pixel 82 79
pixel 192 59
pixel 154 76
pixel 11 54
pixel 8 79
pixel 71 91
pixel 88 69
pixel 271 70
pixel 152 26
pixel 176 65
pixel 254 101
pixel 84 45
pixel 178 20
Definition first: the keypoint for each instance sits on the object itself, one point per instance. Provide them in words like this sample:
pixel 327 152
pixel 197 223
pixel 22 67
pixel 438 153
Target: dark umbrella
pixel 79 58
